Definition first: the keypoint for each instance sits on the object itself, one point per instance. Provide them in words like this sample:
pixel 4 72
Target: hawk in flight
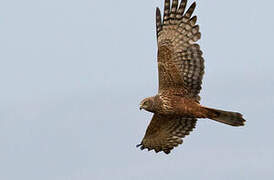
pixel 176 107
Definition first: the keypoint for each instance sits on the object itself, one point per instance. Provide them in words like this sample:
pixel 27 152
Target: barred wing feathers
pixel 164 132
pixel 180 62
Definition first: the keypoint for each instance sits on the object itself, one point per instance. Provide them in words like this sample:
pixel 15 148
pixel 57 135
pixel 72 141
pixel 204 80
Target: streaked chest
pixel 175 105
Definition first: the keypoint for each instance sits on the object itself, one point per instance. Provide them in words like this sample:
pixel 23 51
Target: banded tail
pixel 226 117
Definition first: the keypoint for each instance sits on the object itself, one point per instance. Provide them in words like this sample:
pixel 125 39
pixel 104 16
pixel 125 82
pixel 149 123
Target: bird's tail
pixel 226 117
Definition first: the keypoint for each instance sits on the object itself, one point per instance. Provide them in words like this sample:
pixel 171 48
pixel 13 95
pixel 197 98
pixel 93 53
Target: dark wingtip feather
pixel 158 11
pixel 158 21
pixel 138 145
pixel 166 11
pixel 174 7
pixel 190 10
pixel 193 20
pixel 181 8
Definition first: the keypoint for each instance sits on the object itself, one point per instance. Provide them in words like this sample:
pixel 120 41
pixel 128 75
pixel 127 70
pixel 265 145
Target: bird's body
pixel 172 104
pixel 176 107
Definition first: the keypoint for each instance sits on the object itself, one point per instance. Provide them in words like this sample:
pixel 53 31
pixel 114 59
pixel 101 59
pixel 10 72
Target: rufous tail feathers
pixel 226 117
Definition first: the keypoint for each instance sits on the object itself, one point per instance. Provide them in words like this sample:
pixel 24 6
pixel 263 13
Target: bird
pixel 176 106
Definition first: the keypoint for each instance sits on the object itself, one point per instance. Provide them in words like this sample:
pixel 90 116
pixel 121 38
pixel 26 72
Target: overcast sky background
pixel 72 75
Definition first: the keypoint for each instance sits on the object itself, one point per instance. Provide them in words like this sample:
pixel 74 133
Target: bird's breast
pixel 176 105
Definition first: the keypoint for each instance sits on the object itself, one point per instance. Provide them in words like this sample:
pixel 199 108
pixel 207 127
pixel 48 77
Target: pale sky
pixel 72 75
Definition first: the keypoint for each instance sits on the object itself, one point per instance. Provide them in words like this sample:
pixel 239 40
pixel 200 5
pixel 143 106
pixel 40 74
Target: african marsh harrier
pixel 176 107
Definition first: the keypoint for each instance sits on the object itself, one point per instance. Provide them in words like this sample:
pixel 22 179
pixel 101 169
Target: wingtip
pixel 157 150
pixel 158 11
pixel 192 7
pixel 138 145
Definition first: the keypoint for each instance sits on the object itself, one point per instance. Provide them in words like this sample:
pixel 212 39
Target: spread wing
pixel 180 62
pixel 164 133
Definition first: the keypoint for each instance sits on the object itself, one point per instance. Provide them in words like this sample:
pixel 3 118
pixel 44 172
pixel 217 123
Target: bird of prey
pixel 176 107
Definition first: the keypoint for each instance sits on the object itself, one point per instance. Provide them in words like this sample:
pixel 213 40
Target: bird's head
pixel 147 104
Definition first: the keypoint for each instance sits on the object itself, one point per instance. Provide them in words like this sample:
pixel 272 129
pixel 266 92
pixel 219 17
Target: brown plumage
pixel 181 67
